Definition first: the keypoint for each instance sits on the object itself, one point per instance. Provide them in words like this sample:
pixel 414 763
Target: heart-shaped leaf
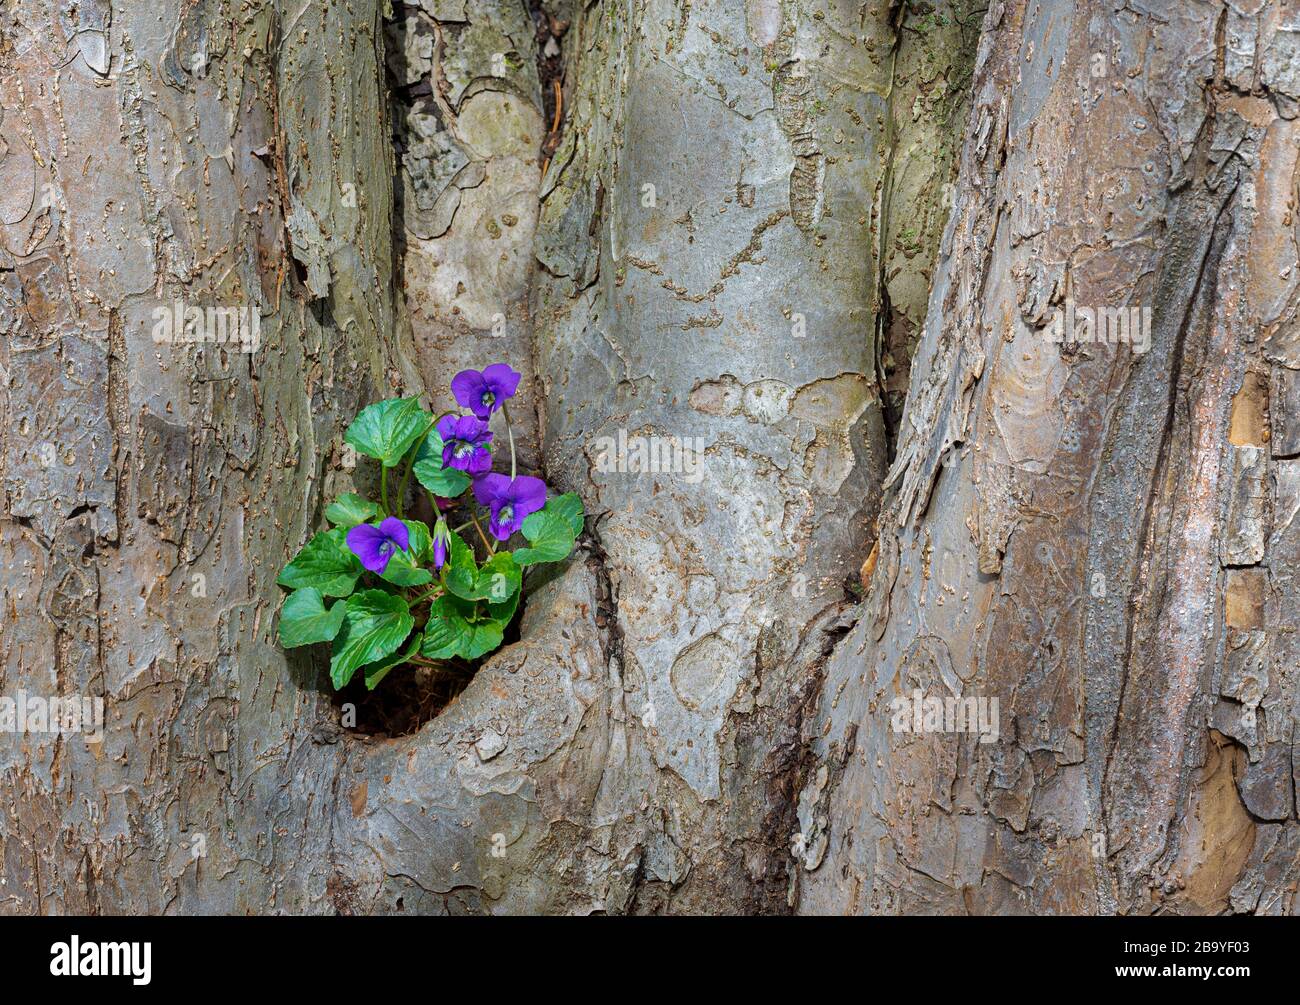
pixel 446 630
pixel 350 509
pixel 451 632
pixel 441 481
pixel 503 611
pixel 551 535
pixel 375 625
pixel 304 619
pixel 460 574
pixel 387 429
pixel 568 506
pixel 377 671
pixel 325 563
pixel 497 580
pixel 487 636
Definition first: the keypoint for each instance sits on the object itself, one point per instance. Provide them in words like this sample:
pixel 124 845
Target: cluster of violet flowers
pixel 385 590
pixel 509 500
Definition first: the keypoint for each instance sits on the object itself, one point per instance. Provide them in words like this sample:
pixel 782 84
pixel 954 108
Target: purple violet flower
pixel 486 391
pixel 464 443
pixel 376 545
pixel 509 500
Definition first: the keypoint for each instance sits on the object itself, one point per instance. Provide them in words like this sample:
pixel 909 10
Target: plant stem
pixel 511 433
pixel 410 464
pixel 486 543
pixel 383 488
pixel 425 596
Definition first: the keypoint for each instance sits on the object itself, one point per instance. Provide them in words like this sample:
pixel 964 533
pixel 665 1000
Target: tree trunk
pixel 1101 539
pixel 707 233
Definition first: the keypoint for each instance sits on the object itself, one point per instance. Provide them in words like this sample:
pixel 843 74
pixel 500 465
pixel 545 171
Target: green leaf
pixel 445 482
pixel 304 620
pixel 375 625
pixel 446 630
pixel 568 506
pixel 431 449
pixel 406 568
pixel 387 429
pixel 460 574
pixel 487 636
pixel 551 535
pixel 325 563
pixel 350 509
pixel 502 612
pixel 499 579
pixel 421 540
pixel 402 571
pixel 451 631
pixel 377 671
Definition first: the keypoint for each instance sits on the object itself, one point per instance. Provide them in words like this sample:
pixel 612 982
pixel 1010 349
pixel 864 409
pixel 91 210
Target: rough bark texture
pixel 216 159
pixel 1104 541
pixel 651 714
pixel 929 103
pixel 468 127
pixel 726 301
pixel 721 232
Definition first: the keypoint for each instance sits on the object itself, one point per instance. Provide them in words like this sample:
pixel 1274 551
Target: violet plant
pixel 405 594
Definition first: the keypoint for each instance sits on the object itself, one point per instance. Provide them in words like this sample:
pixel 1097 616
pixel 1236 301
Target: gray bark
pixel 635 751
pixel 731 241
pixel 220 160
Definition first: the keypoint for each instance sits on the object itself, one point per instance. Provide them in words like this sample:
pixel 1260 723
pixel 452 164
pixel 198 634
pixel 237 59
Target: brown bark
pixel 724 232
pixel 1100 539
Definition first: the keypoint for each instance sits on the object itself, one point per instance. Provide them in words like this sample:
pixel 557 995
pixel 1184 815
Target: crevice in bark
pixel 407 698
pixel 793 821
pixel 607 613
pixel 406 27
pixel 288 267
pixel 551 29
pixel 893 369
pixel 432 167
pixel 933 60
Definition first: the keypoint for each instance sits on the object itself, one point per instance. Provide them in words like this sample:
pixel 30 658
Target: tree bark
pixel 1101 539
pixel 151 158
pixel 714 229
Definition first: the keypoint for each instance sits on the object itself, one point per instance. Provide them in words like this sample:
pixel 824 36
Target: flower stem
pixel 505 412
pixel 410 463
pixel 425 596
pixel 486 543
pixel 383 488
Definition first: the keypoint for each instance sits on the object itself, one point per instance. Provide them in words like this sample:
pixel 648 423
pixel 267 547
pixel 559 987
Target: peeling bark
pixel 1079 531
pixel 217 161
pixel 709 234
pixel 725 301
